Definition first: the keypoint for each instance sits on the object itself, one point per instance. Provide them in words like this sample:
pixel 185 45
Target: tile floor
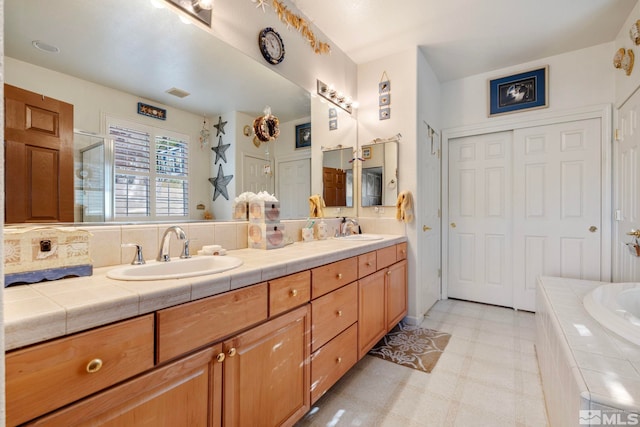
pixel 487 376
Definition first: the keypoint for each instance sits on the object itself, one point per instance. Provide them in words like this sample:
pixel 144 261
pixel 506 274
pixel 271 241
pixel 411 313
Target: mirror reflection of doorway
pixel 334 185
pixel 372 186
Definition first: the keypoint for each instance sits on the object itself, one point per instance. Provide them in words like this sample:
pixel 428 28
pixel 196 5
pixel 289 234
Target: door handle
pixel 635 233
pixel 453 225
pixel 425 228
pixel 593 229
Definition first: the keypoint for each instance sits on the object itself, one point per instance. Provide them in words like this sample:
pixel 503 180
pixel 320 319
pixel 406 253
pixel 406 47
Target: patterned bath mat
pixel 412 346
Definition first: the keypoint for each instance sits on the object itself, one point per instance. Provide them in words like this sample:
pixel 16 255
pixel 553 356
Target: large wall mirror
pixel 114 54
pixel 379 176
pixel 337 177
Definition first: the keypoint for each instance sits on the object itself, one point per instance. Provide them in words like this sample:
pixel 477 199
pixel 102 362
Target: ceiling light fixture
pixel 338 98
pixel 46 47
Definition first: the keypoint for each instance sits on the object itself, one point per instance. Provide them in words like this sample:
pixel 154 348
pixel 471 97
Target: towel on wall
pixel 404 207
pixel 316 206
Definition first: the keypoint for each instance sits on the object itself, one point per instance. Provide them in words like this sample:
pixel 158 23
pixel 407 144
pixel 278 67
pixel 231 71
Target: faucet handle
pixel 138 259
pixel 185 249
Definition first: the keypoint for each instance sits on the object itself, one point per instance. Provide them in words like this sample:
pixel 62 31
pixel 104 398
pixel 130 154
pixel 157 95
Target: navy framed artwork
pixel 303 135
pixel 523 91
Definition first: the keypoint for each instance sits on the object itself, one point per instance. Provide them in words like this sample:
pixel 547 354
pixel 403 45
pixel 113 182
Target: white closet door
pixel 294 188
pixel 626 266
pixel 480 219
pixel 557 205
pixel 254 177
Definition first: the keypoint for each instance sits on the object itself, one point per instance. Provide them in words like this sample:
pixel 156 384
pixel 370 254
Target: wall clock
pixel 271 45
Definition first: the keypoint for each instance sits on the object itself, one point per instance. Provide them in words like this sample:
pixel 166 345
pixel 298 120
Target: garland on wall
pixel 299 23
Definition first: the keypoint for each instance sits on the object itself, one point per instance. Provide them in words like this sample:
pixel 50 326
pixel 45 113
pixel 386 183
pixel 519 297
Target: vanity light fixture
pixel 199 5
pixel 337 98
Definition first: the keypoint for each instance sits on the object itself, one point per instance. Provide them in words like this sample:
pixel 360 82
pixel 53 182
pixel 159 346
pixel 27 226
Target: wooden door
pixel 626 191
pixel 372 322
pixel 334 186
pixel 557 208
pixel 480 219
pixel 396 293
pixel 267 372
pixel 38 158
pixel 184 393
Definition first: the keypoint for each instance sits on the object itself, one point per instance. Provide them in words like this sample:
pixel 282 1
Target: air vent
pixel 177 92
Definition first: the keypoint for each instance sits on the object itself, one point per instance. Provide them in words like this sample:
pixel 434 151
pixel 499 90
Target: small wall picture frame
pixel 333 113
pixel 384 87
pixel 366 153
pixel 333 124
pixel 384 99
pixel 303 135
pixel 385 113
pixel 527 90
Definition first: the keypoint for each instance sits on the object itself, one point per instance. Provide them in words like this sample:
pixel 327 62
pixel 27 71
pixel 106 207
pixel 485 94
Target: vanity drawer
pixel 60 368
pixel 188 326
pixel 289 292
pixel 332 314
pixel 386 256
pixel 401 251
pixel 333 360
pixel 366 264
pixel 333 276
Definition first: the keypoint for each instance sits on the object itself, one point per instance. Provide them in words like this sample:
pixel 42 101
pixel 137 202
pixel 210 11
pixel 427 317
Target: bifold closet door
pixel 557 205
pixel 479 229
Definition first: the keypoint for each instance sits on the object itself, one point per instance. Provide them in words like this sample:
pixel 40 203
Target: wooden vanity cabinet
pixel 267 374
pixel 396 291
pixel 186 392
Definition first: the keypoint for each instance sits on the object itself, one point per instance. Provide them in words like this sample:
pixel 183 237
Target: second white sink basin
pixel 176 268
pixel 360 237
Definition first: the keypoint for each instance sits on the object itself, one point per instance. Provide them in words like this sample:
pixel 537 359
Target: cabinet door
pixel 372 323
pixel 396 293
pixel 267 372
pixel 184 393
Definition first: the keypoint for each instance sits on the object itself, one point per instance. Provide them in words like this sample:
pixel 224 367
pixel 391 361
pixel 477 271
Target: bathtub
pixel 616 306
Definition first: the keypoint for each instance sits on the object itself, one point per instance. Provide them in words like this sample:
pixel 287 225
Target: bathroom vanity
pixel 269 339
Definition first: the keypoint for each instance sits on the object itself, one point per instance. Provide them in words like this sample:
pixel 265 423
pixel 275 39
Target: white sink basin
pixel 360 237
pixel 176 268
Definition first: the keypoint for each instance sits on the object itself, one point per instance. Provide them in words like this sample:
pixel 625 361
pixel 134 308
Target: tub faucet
pixel 344 226
pixel 163 254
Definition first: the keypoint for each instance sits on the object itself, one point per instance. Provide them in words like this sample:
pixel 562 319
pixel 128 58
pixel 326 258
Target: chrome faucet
pixel 344 226
pixel 163 254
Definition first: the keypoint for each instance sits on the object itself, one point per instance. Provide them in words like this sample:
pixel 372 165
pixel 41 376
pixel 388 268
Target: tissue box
pixel 266 236
pixel 261 211
pixel 240 210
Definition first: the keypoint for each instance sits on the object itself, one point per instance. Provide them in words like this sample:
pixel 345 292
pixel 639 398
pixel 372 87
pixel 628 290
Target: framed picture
pixel 384 99
pixel 366 152
pixel 333 124
pixel 332 113
pixel 523 91
pixel 385 113
pixel 384 87
pixel 303 135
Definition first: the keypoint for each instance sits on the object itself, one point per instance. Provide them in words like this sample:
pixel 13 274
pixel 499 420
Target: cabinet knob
pixel 368 264
pixel 339 360
pixel 339 276
pixel 388 273
pixel 220 357
pixel 294 292
pixel 232 352
pixel 94 366
pixel 339 313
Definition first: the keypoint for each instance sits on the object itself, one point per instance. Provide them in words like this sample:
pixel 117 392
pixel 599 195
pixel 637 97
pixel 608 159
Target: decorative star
pixel 259 3
pixel 220 151
pixel 220 126
pixel 220 184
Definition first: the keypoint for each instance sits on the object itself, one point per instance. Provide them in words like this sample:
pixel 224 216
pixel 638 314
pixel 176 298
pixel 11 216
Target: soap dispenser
pixel 323 230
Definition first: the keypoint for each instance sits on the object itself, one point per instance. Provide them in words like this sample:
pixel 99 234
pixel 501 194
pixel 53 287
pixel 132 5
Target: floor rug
pixel 412 346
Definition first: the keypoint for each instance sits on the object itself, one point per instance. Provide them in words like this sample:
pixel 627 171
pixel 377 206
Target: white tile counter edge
pixel 42 311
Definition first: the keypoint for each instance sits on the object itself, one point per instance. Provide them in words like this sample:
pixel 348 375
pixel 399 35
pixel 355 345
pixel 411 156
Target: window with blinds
pixel 142 190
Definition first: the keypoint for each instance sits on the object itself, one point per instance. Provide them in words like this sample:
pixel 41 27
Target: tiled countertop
pixel 608 364
pixel 42 311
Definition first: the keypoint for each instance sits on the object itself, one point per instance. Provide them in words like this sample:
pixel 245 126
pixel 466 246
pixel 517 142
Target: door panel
pixel 294 188
pixel 254 177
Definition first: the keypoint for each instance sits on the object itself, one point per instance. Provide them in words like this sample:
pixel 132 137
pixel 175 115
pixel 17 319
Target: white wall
pixel 576 79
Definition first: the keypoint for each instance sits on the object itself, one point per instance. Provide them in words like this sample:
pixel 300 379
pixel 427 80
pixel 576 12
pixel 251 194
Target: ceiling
pixel 461 38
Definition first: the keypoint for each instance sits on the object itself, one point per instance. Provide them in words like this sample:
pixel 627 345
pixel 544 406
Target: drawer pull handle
pixel 339 313
pixel 339 360
pixel 232 352
pixel 94 366
pixel 294 293
pixel 220 357
pixel 339 276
